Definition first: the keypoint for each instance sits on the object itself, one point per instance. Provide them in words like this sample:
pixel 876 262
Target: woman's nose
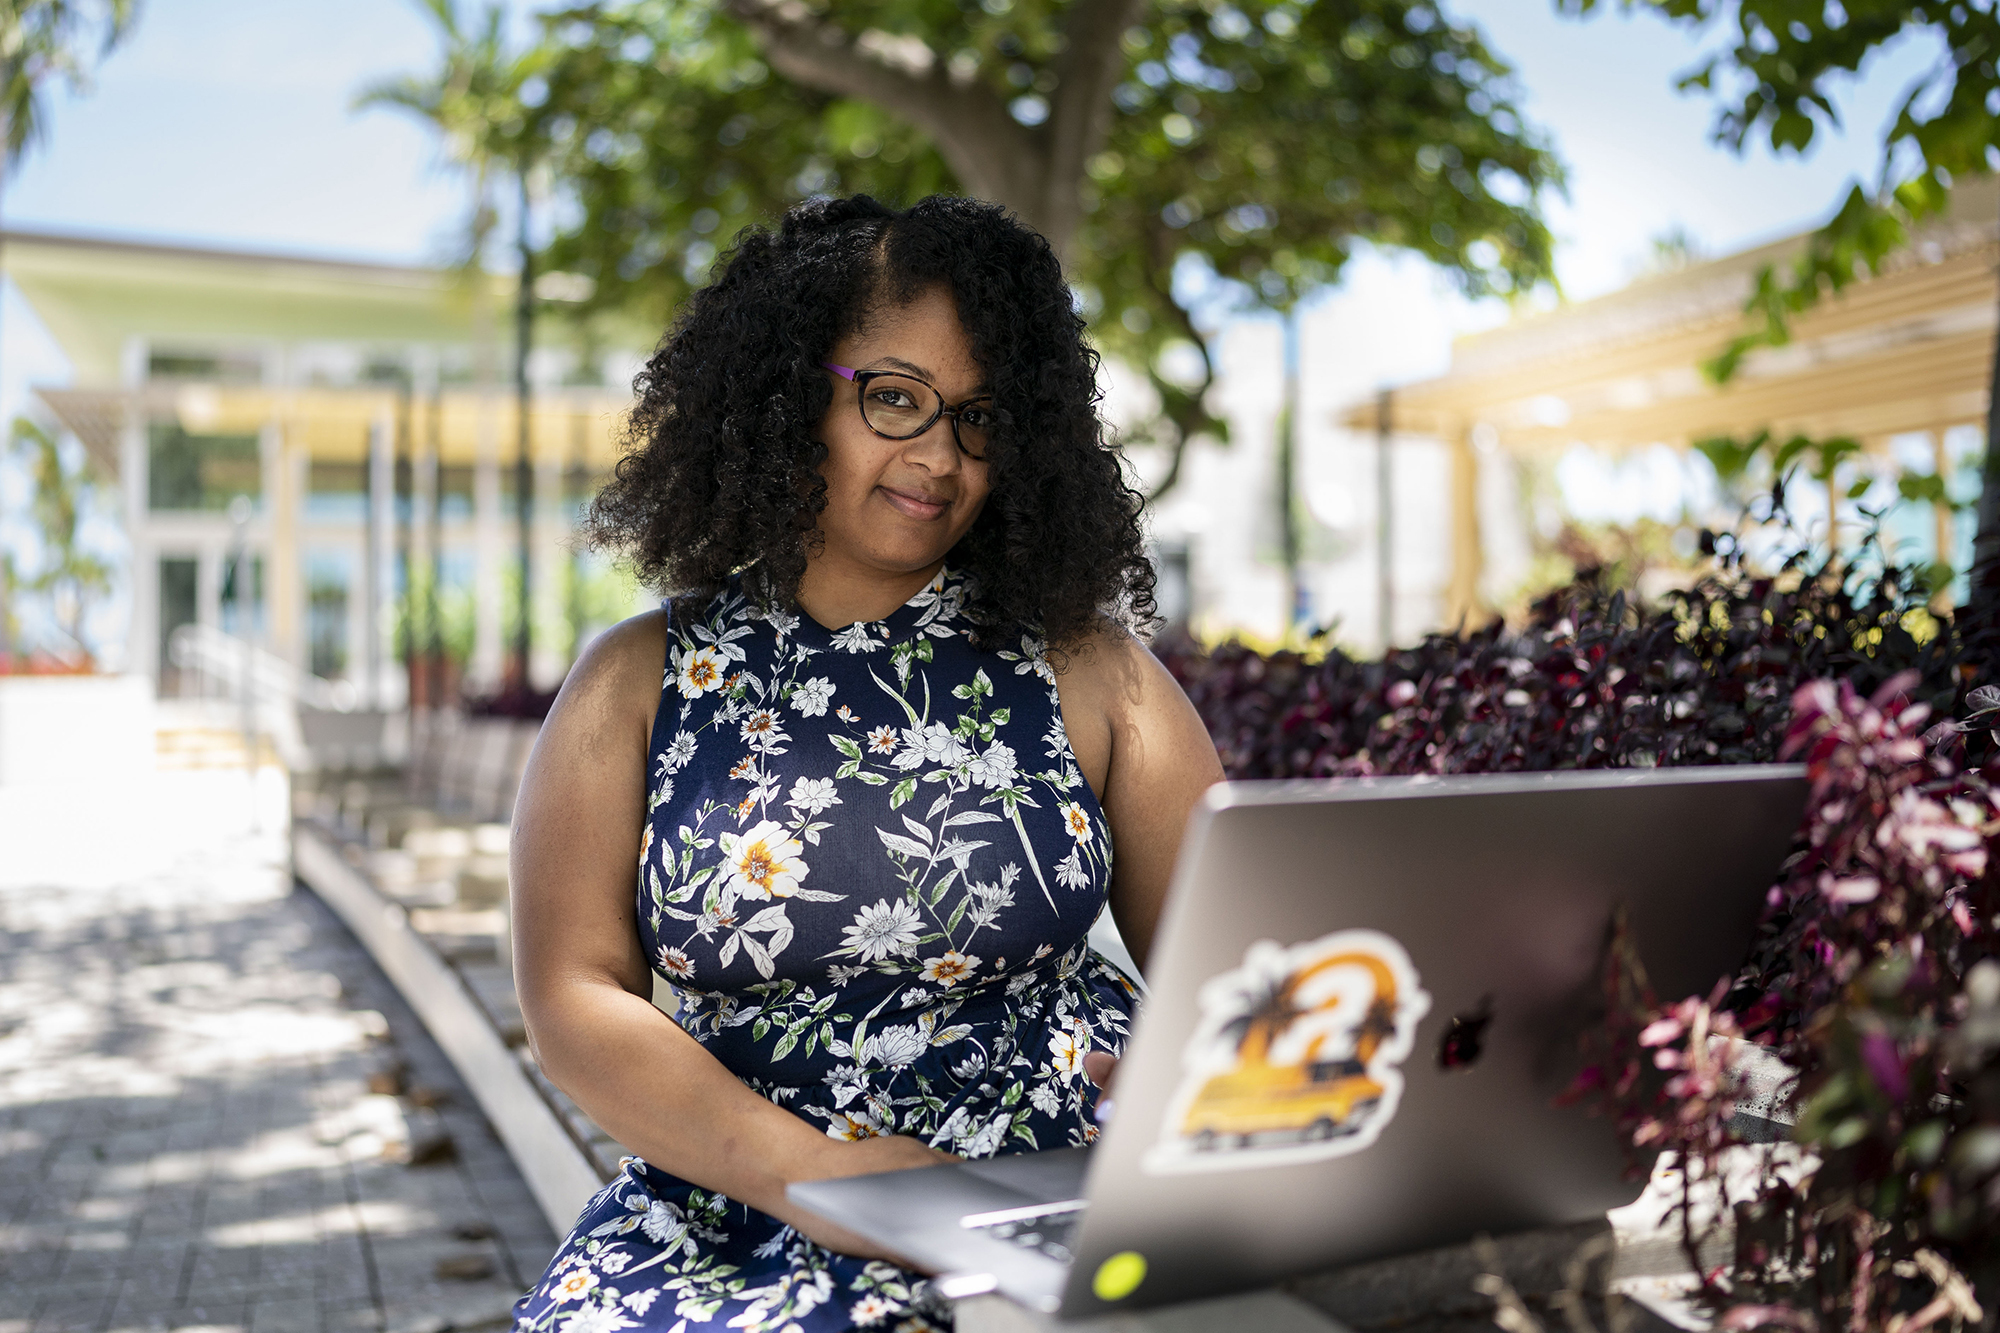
pixel 936 437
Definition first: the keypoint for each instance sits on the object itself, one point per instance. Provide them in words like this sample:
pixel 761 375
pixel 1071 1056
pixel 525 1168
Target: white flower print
pixel 675 963
pixel 596 1319
pixel 1045 1098
pixel 845 714
pixel 812 795
pixel 846 1082
pixel 1065 1054
pixel 678 752
pixel 987 1141
pixel 884 929
pixel 698 672
pixel 811 697
pixel 856 639
pixel 950 967
pixel 894 1046
pixel 646 842
pixel 766 862
pixel 1075 820
pixel 933 744
pixel 665 1225
pixel 1034 657
pixel 1070 872
pixel 573 1285
pixel 854 1126
pixel 782 621
pixel 640 1301
pixel 994 768
pixel 761 730
pixel 870 1309
pixel 883 740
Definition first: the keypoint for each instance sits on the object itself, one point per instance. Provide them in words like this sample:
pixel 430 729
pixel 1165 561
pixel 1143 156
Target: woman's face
pixel 895 507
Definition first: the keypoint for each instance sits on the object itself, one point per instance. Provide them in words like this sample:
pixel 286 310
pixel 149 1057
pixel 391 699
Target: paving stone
pixel 187 1140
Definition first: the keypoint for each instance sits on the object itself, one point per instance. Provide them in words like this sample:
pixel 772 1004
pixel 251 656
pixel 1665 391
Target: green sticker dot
pixel 1119 1276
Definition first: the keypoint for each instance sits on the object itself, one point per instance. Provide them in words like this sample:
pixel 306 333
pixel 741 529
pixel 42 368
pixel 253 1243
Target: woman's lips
pixel 914 506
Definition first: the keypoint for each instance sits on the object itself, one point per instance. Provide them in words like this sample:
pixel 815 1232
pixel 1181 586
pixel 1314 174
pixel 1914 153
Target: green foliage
pixel 1259 142
pixel 45 39
pixel 70 576
pixel 1775 79
pixel 482 99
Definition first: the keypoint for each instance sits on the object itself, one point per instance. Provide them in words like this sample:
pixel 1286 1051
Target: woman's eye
pixel 894 398
pixel 981 417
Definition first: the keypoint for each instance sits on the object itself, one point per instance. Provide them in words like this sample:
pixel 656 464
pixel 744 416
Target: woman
pixel 903 725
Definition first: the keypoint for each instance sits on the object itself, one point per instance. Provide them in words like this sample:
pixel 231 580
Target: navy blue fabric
pixel 869 868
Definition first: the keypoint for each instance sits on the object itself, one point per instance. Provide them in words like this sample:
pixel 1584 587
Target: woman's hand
pixel 889 1152
pixel 1102 1067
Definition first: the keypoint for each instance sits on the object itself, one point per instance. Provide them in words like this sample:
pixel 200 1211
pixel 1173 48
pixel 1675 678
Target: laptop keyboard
pixel 1048 1231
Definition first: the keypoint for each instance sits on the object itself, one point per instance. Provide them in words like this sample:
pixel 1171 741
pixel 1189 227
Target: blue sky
pixel 228 123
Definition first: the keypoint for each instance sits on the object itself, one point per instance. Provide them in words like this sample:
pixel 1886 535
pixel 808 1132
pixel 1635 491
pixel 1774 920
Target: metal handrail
pixel 222 657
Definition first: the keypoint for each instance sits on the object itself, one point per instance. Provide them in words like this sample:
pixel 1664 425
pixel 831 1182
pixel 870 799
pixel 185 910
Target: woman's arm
pixel 1144 751
pixel 585 986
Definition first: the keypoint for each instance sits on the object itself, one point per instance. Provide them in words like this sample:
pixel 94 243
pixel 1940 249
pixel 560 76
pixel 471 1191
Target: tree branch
pixel 1080 112
pixel 992 156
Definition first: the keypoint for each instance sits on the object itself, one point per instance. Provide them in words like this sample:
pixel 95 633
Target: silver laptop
pixel 1365 996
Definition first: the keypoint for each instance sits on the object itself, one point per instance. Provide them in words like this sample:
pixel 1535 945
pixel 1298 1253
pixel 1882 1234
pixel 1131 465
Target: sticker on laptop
pixel 1295 1055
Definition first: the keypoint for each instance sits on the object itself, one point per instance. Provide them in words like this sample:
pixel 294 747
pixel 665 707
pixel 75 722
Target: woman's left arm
pixel 1145 753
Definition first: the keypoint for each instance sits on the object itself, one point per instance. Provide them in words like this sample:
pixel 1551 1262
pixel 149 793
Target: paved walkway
pixel 188 1136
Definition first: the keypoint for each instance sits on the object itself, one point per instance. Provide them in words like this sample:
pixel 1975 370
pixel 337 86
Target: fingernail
pixel 1105 1106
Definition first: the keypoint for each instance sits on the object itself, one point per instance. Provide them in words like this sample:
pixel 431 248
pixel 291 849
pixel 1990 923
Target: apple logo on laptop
pixel 1464 1038
pixel 1296 1055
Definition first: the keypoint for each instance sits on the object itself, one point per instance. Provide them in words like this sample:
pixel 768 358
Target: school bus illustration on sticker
pixel 1295 1057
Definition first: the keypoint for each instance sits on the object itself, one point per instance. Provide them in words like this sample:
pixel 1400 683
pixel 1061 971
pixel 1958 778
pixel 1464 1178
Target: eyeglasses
pixel 902 407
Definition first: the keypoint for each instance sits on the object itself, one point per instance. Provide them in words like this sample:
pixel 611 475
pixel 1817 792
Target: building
pixel 353 426
pixel 1900 358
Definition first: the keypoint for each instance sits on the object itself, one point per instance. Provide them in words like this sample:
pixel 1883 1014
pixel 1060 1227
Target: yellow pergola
pixel 1908 350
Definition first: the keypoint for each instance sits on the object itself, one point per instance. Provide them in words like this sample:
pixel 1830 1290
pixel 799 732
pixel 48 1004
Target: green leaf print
pixel 903 792
pixel 847 746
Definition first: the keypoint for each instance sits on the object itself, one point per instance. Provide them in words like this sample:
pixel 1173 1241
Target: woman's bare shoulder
pixel 621 671
pixel 1112 672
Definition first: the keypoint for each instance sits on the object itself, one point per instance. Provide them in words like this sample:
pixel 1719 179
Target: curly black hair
pixel 721 470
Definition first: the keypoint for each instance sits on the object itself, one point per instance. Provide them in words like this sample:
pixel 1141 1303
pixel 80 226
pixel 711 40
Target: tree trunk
pixel 1035 171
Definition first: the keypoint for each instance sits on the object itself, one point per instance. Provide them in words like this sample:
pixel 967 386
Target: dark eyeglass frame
pixel 861 378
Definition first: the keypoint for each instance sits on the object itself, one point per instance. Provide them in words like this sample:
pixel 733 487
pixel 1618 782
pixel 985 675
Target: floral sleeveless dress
pixel 868 871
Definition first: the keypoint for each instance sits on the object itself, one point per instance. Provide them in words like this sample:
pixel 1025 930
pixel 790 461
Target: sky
pixel 231 123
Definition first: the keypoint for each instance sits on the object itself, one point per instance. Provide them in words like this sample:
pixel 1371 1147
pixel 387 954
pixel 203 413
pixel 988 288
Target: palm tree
pixel 476 99
pixel 41 40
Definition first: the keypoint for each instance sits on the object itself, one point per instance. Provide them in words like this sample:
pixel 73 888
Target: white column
pixel 489 551
pixel 142 653
pixel 380 562
pixel 551 571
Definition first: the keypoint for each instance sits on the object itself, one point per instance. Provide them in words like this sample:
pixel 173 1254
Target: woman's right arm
pixel 585 985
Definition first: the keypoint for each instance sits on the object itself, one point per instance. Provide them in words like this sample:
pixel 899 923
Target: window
pixel 337 492
pixel 216 367
pixel 201 472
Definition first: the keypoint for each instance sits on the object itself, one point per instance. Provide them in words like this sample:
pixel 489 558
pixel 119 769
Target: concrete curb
pixel 558 1173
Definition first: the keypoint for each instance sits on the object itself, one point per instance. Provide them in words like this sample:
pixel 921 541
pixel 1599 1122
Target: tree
pixel 1776 79
pixel 485 101
pixel 1182 156
pixel 69 576
pixel 41 40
